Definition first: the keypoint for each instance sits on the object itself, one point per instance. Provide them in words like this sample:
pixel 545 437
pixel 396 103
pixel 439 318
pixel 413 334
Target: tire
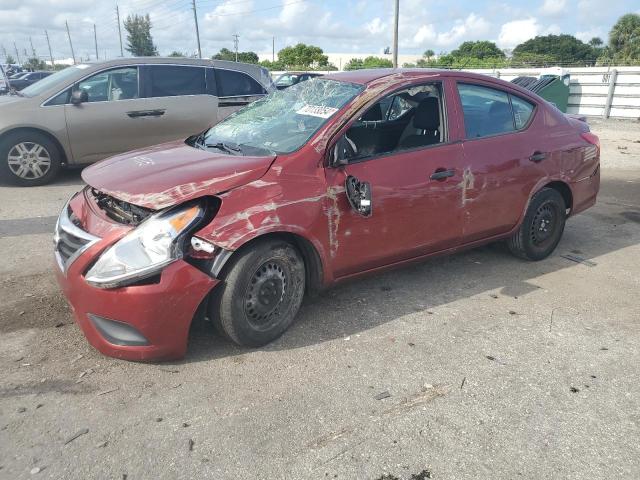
pixel 28 159
pixel 261 293
pixel 542 227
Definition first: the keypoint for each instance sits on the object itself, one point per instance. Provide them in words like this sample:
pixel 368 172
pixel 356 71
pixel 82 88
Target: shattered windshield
pixel 283 121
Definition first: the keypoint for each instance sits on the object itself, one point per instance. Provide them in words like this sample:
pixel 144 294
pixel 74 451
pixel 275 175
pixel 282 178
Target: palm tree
pixel 624 38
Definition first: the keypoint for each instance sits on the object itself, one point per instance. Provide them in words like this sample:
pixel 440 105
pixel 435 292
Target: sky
pixel 356 26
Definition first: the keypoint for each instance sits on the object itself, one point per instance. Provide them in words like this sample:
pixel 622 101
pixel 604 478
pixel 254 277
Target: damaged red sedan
pixel 330 179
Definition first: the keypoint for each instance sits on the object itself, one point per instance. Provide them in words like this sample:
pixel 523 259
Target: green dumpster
pixel 553 88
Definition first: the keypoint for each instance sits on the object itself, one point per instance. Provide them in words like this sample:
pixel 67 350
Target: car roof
pixel 366 76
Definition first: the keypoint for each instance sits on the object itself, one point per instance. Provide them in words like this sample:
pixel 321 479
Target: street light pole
pixel 73 55
pixel 195 18
pixel 46 34
pixel 95 40
pixel 395 34
pixel 119 30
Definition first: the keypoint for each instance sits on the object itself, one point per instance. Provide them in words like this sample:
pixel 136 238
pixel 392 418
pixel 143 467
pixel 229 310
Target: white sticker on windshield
pixel 317 111
pixel 82 66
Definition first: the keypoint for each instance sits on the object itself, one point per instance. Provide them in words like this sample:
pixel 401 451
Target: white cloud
pixel 553 8
pixel 376 26
pixel 425 34
pixel 472 28
pixel 517 31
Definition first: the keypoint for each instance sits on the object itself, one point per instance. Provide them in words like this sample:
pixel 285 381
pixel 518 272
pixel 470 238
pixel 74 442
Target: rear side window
pixel 487 111
pixel 234 84
pixel 522 111
pixel 176 80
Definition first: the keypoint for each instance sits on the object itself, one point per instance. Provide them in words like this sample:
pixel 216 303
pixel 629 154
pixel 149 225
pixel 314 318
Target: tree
pixel 481 49
pixel 428 53
pixel 176 53
pixel 624 38
pixel 35 64
pixel 139 40
pixel 10 60
pixel 369 62
pixel 596 42
pixel 302 57
pixel 565 49
pixel 245 57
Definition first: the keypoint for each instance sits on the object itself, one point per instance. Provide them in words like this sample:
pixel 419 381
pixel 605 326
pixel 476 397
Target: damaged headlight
pixel 147 249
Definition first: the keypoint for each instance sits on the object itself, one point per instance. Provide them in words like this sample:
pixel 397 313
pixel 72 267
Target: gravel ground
pixel 472 366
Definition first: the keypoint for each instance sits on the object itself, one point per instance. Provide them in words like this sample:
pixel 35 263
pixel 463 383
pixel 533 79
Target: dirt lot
pixel 491 367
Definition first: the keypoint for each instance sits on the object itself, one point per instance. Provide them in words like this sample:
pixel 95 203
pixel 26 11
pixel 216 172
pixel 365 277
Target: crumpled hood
pixel 168 174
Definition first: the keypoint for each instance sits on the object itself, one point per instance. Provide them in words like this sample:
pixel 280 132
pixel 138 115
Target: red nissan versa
pixel 330 179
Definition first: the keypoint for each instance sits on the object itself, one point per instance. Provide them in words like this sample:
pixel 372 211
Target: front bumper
pixel 140 322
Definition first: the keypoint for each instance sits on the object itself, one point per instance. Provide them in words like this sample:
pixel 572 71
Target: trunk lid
pixel 168 174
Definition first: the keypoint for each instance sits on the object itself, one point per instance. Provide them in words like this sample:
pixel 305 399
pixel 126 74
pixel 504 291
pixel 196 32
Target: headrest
pixel 427 116
pixel 500 111
pixel 374 114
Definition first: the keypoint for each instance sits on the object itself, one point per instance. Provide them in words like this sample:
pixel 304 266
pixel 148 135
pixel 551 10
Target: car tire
pixel 28 159
pixel 542 227
pixel 261 293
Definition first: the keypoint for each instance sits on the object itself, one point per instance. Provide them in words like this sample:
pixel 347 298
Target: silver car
pixel 91 111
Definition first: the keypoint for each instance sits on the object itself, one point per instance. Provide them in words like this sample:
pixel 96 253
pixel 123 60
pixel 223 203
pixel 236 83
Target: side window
pixel 522 111
pixel 487 111
pixel 175 80
pixel 60 99
pixel 112 85
pixel 234 84
pixel 405 120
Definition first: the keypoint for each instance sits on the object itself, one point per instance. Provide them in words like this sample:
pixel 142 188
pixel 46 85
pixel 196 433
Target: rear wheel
pixel 542 227
pixel 261 294
pixel 28 159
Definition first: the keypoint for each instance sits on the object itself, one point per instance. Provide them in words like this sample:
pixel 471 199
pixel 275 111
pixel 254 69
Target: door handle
pixel 442 174
pixel 538 157
pixel 145 113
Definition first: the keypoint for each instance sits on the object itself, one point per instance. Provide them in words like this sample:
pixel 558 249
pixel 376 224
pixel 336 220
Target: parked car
pixel 289 79
pixel 91 111
pixel 328 180
pixel 25 79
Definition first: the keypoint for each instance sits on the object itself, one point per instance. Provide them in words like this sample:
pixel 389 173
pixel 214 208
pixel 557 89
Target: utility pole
pixel 46 34
pixel 95 40
pixel 235 42
pixel 17 53
pixel 33 50
pixel 119 30
pixel 395 34
pixel 73 55
pixel 273 49
pixel 195 18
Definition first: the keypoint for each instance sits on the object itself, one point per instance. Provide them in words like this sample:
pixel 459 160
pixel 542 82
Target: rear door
pixel 502 155
pixel 178 102
pixel 235 90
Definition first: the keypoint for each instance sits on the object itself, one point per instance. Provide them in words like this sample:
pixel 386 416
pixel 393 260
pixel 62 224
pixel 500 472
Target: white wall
pixel 589 88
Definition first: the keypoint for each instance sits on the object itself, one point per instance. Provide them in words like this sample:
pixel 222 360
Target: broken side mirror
pixel 359 195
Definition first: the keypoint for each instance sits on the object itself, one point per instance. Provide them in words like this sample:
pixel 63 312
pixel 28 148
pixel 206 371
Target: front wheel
pixel 261 294
pixel 28 159
pixel 542 227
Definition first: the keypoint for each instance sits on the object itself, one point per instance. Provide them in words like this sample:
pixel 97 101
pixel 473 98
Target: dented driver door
pixel 415 209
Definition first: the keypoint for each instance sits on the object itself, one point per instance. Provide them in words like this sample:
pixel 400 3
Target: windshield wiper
pixel 225 147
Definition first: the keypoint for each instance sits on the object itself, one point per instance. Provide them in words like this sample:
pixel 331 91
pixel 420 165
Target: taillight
pixel 591 138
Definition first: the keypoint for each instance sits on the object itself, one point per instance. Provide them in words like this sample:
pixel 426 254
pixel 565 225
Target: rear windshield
pixel 284 120
pixel 57 79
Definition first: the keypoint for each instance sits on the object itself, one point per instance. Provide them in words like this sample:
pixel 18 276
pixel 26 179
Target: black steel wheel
pixel 542 227
pixel 261 294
